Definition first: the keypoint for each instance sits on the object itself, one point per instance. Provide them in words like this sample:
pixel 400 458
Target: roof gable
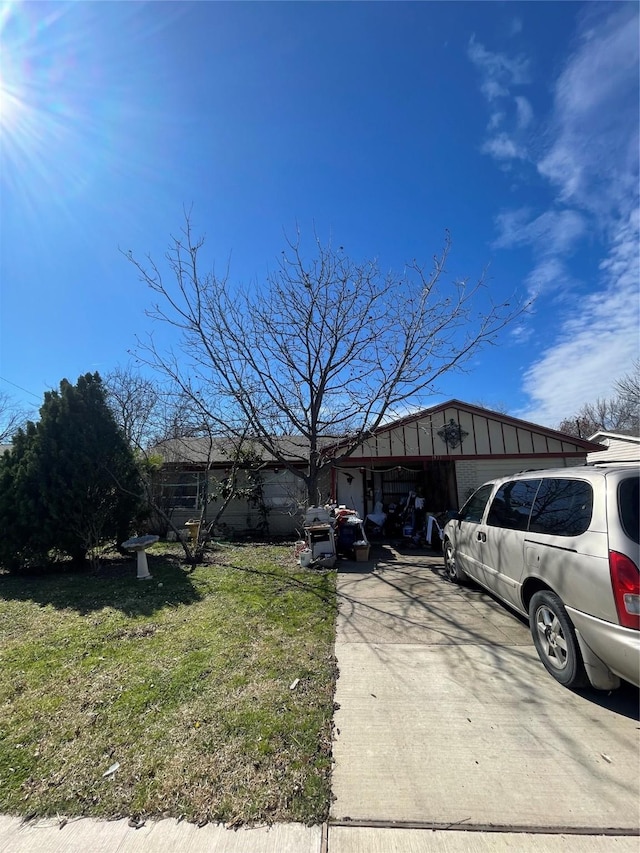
pixel 455 428
pixel 482 412
pixel 603 434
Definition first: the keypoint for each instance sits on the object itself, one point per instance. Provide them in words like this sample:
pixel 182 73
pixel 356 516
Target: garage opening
pixel 435 480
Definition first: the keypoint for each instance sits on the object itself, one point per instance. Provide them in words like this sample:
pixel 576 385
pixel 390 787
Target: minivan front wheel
pixel 454 572
pixel 555 639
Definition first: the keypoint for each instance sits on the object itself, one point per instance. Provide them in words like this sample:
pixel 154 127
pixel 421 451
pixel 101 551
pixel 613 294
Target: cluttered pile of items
pixel 331 531
pixel 408 520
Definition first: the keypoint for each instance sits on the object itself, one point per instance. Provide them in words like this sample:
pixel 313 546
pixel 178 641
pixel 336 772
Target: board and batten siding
pixel 485 436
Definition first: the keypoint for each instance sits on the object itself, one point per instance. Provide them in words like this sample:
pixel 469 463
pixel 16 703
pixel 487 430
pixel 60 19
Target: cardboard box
pixel 362 553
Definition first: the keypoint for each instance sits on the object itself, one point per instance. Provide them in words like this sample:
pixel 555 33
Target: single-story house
pixel 446 452
pixel 194 471
pixel 618 448
pixel 443 452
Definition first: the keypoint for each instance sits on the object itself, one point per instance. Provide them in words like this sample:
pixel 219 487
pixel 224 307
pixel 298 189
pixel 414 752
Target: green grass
pixel 184 680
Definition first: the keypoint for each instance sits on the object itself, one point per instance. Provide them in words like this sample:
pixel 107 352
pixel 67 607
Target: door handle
pixel 482 537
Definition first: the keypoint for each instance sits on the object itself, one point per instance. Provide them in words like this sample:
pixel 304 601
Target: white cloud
pixel 499 71
pixel 495 121
pixel 554 232
pixel 525 112
pixel 502 147
pixel 591 162
pixel 521 333
pixel 516 27
pixel 598 341
pixel 593 159
pixel 492 89
pixel 549 275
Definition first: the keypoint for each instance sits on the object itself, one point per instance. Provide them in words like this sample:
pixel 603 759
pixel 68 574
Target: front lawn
pixel 206 694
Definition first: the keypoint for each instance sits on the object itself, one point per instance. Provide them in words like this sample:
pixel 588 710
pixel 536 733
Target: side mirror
pixel 453 515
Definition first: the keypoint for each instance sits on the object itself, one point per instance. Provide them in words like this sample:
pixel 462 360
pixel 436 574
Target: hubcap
pixel 552 639
pixel 451 563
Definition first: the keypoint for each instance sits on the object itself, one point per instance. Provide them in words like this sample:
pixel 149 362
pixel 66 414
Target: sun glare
pixel 8 104
pixel 75 115
pixel 13 94
pixel 40 122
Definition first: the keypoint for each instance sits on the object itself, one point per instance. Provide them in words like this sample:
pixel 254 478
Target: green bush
pixel 70 481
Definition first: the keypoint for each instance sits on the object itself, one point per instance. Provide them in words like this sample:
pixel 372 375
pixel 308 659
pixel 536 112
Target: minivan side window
pixel 512 504
pixel 562 507
pixel 628 503
pixel 474 507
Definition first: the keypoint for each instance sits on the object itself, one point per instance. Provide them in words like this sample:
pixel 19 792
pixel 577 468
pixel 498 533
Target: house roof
pixel 619 436
pixel 581 443
pixel 295 449
pixel 220 451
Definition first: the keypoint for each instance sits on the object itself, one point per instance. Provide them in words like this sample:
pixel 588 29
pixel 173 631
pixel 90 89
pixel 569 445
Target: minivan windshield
pixel 628 506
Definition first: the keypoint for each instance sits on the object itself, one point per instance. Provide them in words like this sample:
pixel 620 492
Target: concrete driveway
pixel 447 718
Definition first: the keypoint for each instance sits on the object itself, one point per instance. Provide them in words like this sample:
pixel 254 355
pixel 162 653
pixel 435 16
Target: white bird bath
pixel 140 544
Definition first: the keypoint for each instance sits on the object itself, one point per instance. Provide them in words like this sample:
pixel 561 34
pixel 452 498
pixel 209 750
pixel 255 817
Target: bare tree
pixel 135 401
pixel 326 347
pixel 628 388
pixel 620 413
pixel 12 417
pixel 498 406
pixel 163 423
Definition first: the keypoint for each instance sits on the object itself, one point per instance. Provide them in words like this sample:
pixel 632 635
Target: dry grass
pixel 184 681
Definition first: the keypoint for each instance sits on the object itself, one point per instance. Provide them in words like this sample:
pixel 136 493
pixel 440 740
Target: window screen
pixel 562 507
pixel 512 504
pixel 182 489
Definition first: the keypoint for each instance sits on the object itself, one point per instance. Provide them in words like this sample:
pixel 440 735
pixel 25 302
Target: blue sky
pixel 513 125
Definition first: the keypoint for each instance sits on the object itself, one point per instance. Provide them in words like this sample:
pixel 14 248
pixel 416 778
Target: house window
pixel 183 489
pixel 283 491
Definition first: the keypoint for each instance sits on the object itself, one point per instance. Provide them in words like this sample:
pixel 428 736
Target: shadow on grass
pixel 317 584
pixel 114 585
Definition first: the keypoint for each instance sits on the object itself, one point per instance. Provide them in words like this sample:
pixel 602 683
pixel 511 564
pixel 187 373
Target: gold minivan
pixel 560 546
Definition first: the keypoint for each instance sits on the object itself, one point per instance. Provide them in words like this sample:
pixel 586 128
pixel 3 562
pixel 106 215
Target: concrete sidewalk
pixel 167 836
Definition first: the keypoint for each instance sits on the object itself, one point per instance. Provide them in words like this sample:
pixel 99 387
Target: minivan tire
pixel 555 640
pixel 453 570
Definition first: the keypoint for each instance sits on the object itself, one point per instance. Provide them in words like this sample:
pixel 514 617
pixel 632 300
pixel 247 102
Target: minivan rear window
pixel 628 507
pixel 512 504
pixel 562 507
